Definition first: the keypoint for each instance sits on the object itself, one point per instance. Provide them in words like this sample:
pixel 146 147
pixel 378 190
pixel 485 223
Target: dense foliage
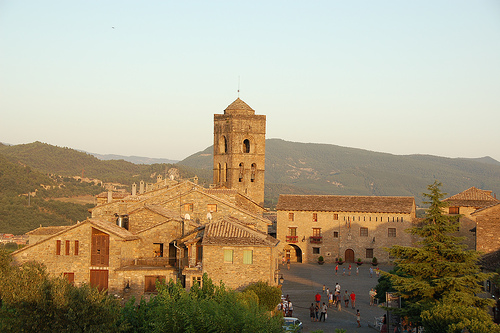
pixel 439 273
pixel 210 308
pixel 268 296
pixel 31 301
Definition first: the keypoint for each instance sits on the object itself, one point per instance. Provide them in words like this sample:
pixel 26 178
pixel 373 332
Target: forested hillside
pixel 323 168
pixel 25 204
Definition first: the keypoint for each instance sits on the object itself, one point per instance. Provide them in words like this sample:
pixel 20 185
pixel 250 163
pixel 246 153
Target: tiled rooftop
pixel 472 197
pixel 346 203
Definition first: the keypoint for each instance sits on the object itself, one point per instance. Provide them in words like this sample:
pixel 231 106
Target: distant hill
pixel 65 161
pixel 134 159
pixel 332 169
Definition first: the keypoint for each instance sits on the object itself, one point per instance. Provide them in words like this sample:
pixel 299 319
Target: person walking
pixel 358 318
pixel 346 299
pixel 353 299
pixel 288 264
pixel 371 272
pixel 324 288
pixel 336 269
pixel 323 312
pixel 377 272
pixel 339 301
pixel 337 287
pixel 372 294
pixel 312 312
pixel 357 270
pixel 316 311
pixel 330 300
pixel 349 269
pixel 343 270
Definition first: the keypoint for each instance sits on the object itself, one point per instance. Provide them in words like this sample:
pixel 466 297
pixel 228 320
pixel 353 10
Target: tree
pixel 205 308
pixel 269 296
pixel 31 301
pixel 440 271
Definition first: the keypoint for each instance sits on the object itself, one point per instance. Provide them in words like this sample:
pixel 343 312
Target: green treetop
pixel 440 270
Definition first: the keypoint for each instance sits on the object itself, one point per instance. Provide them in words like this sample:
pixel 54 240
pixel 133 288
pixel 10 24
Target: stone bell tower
pixel 240 150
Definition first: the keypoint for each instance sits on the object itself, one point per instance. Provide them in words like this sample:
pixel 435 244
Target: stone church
pixel 174 228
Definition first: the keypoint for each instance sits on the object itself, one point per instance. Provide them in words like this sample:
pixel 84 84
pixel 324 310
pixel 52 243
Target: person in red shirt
pixel 353 299
pixel 318 298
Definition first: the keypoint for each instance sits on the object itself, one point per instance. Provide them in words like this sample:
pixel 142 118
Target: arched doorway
pixel 293 252
pixel 349 255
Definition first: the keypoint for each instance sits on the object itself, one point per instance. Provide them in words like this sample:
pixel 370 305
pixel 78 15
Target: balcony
pixel 292 239
pixel 316 239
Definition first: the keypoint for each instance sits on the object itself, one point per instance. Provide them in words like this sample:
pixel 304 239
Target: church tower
pixel 240 150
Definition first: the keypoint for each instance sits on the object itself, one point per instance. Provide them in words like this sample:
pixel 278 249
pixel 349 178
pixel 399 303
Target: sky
pixel 144 78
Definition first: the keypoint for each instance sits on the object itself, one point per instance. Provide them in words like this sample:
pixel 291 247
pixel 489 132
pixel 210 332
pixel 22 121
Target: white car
pixel 292 324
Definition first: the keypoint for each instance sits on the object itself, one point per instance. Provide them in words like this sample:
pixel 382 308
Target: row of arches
pixel 222 172
pixel 224 144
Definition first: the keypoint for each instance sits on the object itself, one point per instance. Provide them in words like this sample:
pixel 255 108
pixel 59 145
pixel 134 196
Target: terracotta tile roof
pixel 163 211
pixel 215 191
pixel 43 231
pixel 229 231
pixel 112 228
pixel 239 107
pixel 485 208
pixel 346 203
pixel 472 197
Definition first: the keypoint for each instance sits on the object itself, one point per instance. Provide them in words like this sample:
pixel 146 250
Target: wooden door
pixel 349 255
pixel 99 249
pixel 99 279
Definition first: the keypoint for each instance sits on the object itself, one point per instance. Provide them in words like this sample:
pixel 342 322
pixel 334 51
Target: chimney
pixel 110 196
pixel 195 180
pixel 134 189
pixel 141 187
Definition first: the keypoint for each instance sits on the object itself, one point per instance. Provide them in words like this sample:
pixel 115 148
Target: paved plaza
pixel 303 281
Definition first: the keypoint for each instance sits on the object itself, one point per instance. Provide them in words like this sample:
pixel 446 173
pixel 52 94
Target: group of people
pixel 319 311
pixel 285 306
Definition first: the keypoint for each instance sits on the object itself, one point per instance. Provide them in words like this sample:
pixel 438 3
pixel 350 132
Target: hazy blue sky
pixel 401 77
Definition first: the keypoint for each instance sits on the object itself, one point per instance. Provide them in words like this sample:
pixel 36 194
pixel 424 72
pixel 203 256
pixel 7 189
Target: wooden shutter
pixel 58 247
pixel 66 247
pixel 77 247
pixel 99 279
pixel 100 249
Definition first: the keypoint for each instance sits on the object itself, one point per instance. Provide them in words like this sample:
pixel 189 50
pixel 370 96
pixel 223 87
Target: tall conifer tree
pixel 439 270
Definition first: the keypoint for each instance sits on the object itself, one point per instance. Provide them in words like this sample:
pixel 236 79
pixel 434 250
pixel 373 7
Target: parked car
pixel 292 324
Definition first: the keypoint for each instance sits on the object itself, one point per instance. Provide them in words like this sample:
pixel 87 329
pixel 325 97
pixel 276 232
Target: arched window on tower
pixel 246 146
pixel 240 177
pixel 253 170
pixel 224 176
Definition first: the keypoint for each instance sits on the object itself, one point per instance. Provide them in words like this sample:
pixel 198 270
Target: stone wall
pixel 488 229
pixel 342 234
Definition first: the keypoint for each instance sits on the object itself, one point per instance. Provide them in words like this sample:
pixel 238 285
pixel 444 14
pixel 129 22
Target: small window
pixel 335 216
pixel 401 219
pixel 196 280
pixel 150 282
pixel 316 250
pixel 67 247
pixel 391 232
pixel 246 146
pixel 70 277
pixel 376 219
pixel 228 256
pixel 242 169
pixel 212 207
pixel 292 231
pixel 335 234
pixel 363 232
pixel 316 232
pixel 315 217
pixel 77 247
pixel 454 210
pixel 58 247
pixel 247 257
pixel 369 253
pixel 157 250
pixel 291 217
pixel 253 169
pixel 388 219
pixel 188 207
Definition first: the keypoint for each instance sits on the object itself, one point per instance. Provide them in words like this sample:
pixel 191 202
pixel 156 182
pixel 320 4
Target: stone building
pixel 232 251
pixel 133 240
pixel 347 227
pixel 239 150
pixel 473 206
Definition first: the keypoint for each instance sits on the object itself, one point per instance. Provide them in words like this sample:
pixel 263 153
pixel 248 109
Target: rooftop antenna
pixel 238 86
